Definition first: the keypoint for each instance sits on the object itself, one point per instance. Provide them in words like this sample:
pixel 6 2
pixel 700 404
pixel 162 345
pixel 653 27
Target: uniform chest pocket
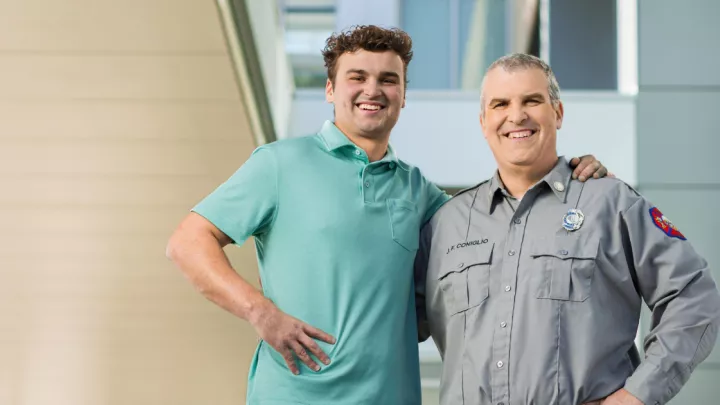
pixel 404 223
pixel 566 266
pixel 465 276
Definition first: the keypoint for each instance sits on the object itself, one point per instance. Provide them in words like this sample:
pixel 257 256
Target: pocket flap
pixel 573 246
pixel 466 256
pixel 397 203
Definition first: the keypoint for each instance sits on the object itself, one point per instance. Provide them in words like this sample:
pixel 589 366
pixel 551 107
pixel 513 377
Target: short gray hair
pixel 520 61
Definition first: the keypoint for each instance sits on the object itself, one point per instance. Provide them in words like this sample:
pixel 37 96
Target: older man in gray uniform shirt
pixel 531 283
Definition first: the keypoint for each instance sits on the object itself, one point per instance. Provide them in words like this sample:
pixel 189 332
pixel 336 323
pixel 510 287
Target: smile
pixel 370 106
pixel 521 134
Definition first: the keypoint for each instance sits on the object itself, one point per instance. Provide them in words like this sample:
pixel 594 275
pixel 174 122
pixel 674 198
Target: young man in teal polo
pixel 336 219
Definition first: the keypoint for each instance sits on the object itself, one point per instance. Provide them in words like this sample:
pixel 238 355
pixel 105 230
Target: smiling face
pixel 519 120
pixel 368 92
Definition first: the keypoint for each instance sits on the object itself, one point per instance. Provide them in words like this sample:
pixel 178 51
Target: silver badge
pixel 573 220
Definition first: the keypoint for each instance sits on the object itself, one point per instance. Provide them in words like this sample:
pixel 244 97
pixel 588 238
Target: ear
pixel 559 114
pixel 482 124
pixel 329 96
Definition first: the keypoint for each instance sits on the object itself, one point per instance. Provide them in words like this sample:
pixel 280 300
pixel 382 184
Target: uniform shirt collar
pixel 557 180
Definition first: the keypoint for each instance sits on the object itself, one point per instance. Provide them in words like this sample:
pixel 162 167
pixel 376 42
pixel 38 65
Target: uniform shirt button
pixel 511 253
pixel 460 265
pixel 503 324
pixel 508 288
pixel 564 252
pixel 500 364
pixel 517 221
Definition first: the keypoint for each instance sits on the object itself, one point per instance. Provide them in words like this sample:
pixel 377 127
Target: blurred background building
pixel 117 117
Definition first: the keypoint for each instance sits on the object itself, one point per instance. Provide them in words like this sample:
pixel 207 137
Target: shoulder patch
pixel 664 224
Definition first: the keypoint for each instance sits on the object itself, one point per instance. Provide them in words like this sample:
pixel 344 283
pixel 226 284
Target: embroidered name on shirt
pixel 466 244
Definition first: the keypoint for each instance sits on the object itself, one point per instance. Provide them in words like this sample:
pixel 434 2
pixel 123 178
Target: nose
pixel 517 114
pixel 371 88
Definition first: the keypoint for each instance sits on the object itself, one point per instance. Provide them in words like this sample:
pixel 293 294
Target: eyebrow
pixel 525 97
pixel 365 73
pixel 534 95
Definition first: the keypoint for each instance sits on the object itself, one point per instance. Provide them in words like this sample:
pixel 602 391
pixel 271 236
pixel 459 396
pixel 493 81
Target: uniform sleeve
pixel 435 199
pixel 245 204
pixel 676 284
pixel 420 271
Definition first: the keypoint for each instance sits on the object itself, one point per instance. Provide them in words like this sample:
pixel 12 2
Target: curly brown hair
pixel 370 38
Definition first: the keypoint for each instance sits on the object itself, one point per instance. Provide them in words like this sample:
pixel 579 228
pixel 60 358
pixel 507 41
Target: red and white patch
pixel 662 222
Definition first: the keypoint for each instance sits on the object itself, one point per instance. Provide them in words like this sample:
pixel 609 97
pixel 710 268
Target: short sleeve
pixel 247 202
pixel 435 198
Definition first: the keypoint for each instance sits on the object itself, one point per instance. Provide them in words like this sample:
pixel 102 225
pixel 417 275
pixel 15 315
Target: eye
pixel 500 104
pixel 390 81
pixel 533 101
pixel 356 78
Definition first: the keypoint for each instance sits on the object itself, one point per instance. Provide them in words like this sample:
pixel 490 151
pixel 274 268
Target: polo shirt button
pixel 367 184
pixel 357 152
pixel 392 165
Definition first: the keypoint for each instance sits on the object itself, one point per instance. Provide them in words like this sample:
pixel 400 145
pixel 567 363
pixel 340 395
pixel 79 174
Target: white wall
pixel 439 132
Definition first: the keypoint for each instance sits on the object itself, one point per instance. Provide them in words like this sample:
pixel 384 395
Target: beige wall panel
pixel 137 157
pixel 122 119
pixel 116 117
pixel 94 189
pixel 180 77
pixel 62 221
pixel 135 340
pixel 110 26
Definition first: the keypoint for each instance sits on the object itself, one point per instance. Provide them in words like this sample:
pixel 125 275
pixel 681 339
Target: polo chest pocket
pixel 465 276
pixel 566 265
pixel 404 223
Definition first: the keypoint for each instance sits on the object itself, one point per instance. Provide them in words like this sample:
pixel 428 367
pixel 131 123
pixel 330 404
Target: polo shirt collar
pixel 334 139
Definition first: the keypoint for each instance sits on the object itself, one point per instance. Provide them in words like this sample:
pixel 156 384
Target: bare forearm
pixel 202 260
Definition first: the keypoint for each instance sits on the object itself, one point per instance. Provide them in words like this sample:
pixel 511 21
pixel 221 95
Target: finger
pixel 602 172
pixel 611 175
pixel 313 347
pixel 589 170
pixel 574 161
pixel 303 355
pixel 580 165
pixel 318 334
pixel 290 360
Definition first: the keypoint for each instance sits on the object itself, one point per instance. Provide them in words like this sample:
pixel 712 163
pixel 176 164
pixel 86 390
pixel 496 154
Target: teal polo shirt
pixel 336 238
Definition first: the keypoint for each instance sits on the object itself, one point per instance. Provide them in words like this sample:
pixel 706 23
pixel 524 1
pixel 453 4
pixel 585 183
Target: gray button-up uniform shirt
pixel 526 312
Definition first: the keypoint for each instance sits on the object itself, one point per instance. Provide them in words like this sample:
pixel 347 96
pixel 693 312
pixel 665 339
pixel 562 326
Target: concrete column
pixel 677 135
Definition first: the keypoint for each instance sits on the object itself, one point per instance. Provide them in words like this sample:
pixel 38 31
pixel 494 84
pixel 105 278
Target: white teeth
pixel 369 107
pixel 521 134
